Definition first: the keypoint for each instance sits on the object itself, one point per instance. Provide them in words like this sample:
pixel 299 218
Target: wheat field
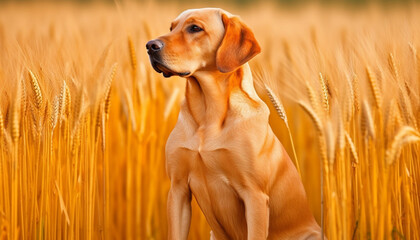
pixel 84 118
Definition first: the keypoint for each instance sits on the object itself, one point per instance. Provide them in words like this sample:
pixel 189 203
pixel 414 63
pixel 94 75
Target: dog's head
pixel 207 39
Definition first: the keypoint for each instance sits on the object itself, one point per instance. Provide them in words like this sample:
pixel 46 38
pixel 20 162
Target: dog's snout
pixel 154 46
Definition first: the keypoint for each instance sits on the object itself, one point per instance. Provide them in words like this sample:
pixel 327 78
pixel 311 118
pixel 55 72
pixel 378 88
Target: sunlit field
pixel 84 118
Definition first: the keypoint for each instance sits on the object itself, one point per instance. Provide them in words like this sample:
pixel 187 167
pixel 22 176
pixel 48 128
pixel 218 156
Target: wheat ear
pixel 278 105
pixel 36 89
pixel 404 94
pixel 68 100
pixel 350 102
pixel 352 147
pixel 368 126
pixel 324 94
pixel 62 101
pixel 133 57
pixel 24 99
pixel 1 126
pixel 107 101
pixel 393 66
pixel 374 87
pixel 16 113
pixel 54 114
pixel 355 83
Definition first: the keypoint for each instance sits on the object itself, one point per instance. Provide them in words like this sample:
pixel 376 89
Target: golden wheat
pixel 374 87
pixel 16 113
pixel 54 115
pixel 314 117
pixel 82 152
pixel 404 136
pixel 324 93
pixel 278 105
pixel 108 89
pixel 1 125
pixel 37 90
pixel 352 148
pixel 368 126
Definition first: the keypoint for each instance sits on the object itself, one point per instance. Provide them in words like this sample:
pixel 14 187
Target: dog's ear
pixel 237 47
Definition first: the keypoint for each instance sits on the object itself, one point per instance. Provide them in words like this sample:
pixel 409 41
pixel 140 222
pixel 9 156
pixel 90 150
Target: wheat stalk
pixel 313 98
pixel 170 104
pixel 62 204
pixel 313 116
pixel 278 105
pixel 330 140
pixel 404 93
pixel 79 104
pixel 323 150
pixel 76 132
pixel 392 118
pixel 404 136
pixel 340 135
pixel 147 29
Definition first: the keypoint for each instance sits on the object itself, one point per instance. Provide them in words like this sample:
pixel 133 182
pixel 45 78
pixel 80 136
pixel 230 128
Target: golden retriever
pixel 222 149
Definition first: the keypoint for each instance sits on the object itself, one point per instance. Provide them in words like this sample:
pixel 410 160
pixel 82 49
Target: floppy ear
pixel 237 47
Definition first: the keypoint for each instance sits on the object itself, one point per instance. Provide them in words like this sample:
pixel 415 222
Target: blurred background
pixel 283 3
pixel 84 118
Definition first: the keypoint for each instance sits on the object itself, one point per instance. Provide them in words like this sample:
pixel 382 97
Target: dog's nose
pixel 154 46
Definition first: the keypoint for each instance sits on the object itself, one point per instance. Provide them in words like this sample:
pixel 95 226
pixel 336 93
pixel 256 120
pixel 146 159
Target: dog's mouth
pixel 167 72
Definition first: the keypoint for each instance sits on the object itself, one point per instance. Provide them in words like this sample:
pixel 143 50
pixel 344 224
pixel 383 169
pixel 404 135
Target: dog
pixel 222 149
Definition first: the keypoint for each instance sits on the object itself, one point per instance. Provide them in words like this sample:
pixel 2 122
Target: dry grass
pixel 84 118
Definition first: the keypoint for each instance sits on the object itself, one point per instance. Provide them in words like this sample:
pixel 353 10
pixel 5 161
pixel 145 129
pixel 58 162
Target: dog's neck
pixel 207 94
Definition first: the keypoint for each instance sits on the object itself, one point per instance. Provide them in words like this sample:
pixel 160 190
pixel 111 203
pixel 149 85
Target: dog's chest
pixel 214 148
pixel 214 161
pixel 214 190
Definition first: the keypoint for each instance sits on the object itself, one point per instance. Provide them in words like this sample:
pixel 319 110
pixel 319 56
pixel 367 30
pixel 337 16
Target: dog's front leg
pixel 257 214
pixel 179 211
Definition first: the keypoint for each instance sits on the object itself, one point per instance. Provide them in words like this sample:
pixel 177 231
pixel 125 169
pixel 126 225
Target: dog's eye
pixel 194 29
